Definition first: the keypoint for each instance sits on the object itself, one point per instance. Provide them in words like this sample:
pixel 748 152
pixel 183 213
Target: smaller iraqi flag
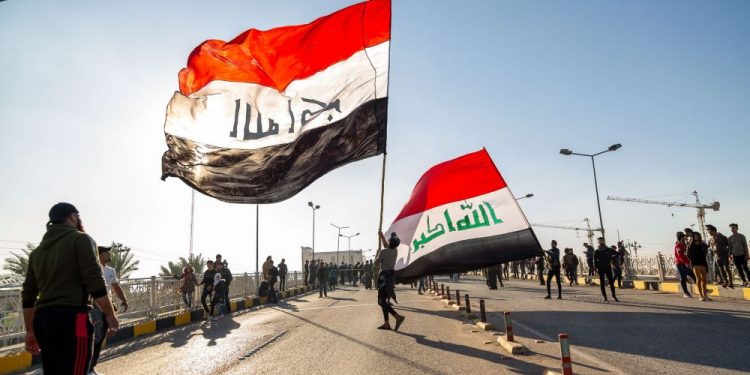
pixel 461 216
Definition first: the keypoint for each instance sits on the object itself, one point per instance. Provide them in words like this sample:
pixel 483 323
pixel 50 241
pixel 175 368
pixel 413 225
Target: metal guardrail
pixel 147 298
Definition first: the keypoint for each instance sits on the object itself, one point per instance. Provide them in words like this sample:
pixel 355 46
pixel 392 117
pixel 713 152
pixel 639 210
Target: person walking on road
pixel 188 282
pixel 208 287
pixel 721 252
pixel 306 272
pixel 603 256
pixel 553 257
pixel 540 269
pixel 589 253
pixel 683 263
pixel 62 273
pixel 386 261
pixel 322 275
pixel 740 255
pixel 283 270
pixel 697 252
pixel 226 275
pixel 492 277
pixel 97 315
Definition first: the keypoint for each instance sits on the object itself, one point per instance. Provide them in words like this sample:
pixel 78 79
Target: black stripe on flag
pixel 275 173
pixel 472 254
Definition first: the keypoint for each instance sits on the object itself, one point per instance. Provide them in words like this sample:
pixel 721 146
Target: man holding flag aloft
pixel 386 261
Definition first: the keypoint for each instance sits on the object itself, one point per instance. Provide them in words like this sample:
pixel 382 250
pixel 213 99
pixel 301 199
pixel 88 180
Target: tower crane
pixel 589 231
pixel 700 206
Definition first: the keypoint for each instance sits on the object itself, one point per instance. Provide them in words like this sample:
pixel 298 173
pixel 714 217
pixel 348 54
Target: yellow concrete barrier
pixel 670 287
pixel 262 300
pixel 746 293
pixel 640 285
pixel 233 306
pixel 15 362
pixel 713 291
pixel 182 319
pixel 248 302
pixel 144 328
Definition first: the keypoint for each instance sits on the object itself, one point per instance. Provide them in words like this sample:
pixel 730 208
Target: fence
pixel 147 298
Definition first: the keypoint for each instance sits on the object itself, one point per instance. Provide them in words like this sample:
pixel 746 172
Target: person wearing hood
pixel 63 273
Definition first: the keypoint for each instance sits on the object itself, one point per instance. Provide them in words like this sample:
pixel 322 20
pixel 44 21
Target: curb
pixel 22 360
pixel 511 347
pixel 485 326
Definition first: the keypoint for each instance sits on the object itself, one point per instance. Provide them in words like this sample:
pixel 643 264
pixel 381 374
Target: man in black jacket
pixel 603 257
pixel 273 277
pixel 282 274
pixel 226 275
pixel 208 285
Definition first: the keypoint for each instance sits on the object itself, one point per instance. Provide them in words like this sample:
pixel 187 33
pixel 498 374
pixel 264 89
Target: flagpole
pixel 382 200
pixel 192 221
pixel 257 236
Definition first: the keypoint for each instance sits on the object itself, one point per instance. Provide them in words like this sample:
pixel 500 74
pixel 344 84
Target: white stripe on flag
pixel 208 115
pixel 413 227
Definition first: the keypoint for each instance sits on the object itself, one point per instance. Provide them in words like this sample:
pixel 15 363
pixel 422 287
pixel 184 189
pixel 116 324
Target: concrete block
pixel 459 308
pixel 485 326
pixel 512 348
pixel 449 302
pixel 670 287
pixel 746 293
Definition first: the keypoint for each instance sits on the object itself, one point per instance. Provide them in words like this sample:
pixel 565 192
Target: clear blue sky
pixel 85 85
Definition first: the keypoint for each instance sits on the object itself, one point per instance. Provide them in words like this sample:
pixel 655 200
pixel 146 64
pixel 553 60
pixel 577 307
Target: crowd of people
pixel 694 255
pixel 328 275
pixel 606 262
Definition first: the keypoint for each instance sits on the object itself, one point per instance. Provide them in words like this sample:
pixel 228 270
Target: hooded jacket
pixel 63 271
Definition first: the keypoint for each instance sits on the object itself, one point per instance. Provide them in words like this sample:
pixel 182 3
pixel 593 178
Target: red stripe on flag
pixel 276 57
pixel 458 179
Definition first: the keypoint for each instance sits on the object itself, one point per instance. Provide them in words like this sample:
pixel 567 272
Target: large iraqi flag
pixel 262 116
pixel 461 216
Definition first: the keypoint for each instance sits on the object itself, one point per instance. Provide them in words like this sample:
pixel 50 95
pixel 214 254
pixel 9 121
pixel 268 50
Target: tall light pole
pixel 525 196
pixel 614 147
pixel 348 252
pixel 192 221
pixel 337 241
pixel 314 208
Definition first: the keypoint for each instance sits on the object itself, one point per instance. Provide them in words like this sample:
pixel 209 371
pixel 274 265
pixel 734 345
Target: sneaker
pixel 708 299
pixel 385 326
pixel 615 298
pixel 701 299
pixel 399 320
pixel 685 295
pixel 548 297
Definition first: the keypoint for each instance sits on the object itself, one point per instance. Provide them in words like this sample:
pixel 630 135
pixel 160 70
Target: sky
pixel 85 85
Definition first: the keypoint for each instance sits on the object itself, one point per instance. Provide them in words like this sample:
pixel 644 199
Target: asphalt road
pixel 648 332
pixel 334 335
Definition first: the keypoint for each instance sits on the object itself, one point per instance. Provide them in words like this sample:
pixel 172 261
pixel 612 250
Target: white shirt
pixel 110 277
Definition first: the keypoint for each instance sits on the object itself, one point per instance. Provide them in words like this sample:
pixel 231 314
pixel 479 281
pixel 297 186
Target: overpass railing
pixel 147 298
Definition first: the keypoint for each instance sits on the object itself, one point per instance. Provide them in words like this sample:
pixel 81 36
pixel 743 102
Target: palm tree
pixel 171 270
pixel 197 262
pixel 19 263
pixel 122 260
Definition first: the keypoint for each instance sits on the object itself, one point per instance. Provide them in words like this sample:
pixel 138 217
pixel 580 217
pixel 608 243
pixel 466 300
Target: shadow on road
pixel 650 334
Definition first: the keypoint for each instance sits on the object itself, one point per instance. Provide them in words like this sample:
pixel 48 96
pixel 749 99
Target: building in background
pixel 348 256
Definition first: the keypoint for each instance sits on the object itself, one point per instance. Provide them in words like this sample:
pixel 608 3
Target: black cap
pixel 59 212
pixel 104 249
pixel 710 227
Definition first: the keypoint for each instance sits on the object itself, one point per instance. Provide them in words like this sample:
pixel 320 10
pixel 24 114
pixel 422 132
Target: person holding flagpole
pixel 386 261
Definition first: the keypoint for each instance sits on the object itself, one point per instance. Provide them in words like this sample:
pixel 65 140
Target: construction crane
pixel 589 231
pixel 700 206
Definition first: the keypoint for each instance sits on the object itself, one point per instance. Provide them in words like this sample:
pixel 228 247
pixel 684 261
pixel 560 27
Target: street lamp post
pixel 337 241
pixel 348 252
pixel 525 196
pixel 614 147
pixel 314 208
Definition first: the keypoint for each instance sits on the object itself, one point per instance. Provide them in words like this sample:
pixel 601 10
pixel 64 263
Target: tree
pixel 122 260
pixel 197 262
pixel 19 263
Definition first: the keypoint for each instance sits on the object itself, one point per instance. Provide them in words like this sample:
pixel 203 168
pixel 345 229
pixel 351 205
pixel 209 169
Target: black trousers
pixel 554 271
pixel 606 272
pixel 66 337
pixel 99 337
pixel 739 262
pixel 492 280
pixel 323 287
pixel 304 278
pixel 282 281
pixel 617 273
pixel 227 302
pixel 205 294
pixel 385 290
pixel 272 297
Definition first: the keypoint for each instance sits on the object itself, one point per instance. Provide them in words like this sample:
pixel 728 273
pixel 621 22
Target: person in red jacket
pixel 683 263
